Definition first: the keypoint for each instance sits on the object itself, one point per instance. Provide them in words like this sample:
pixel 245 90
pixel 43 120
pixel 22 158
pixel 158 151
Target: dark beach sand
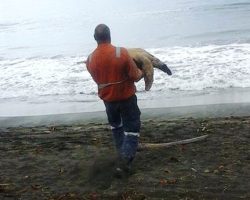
pixel 62 162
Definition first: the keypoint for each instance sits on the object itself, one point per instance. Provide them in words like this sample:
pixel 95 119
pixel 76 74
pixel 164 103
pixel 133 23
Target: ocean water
pixel 205 43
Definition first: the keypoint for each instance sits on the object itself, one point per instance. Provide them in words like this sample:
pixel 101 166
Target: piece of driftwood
pixel 4 184
pixel 144 146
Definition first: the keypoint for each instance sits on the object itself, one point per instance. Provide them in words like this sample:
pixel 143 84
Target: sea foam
pixel 61 78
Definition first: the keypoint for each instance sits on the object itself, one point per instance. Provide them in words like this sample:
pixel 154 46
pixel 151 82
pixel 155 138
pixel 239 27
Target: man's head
pixel 102 34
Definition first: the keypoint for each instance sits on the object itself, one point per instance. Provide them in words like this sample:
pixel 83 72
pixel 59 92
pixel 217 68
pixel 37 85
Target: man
pixel 115 72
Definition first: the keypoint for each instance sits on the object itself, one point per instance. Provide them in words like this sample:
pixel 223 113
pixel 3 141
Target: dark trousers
pixel 124 119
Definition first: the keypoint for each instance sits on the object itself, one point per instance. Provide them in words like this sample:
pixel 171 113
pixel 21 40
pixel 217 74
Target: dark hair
pixel 102 33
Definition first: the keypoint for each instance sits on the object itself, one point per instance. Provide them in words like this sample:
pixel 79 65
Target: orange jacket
pixel 114 71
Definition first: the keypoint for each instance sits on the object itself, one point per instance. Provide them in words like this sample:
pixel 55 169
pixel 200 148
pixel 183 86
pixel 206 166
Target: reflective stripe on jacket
pixel 114 71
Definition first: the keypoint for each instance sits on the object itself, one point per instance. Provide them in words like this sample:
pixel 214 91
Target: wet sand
pixel 76 161
pixel 167 101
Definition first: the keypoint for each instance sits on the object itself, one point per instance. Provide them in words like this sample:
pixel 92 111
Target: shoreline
pixel 146 100
pixel 193 111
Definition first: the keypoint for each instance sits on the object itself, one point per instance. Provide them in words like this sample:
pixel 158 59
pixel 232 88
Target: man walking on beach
pixel 115 72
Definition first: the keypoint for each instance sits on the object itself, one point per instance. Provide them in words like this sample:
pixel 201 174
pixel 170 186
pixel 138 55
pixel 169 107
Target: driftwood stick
pixel 4 184
pixel 144 146
pixel 81 62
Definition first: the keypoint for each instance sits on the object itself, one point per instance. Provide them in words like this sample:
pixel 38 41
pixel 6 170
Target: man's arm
pixel 134 72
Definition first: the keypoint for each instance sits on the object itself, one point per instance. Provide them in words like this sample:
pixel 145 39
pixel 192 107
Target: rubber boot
pixel 129 147
pixel 118 136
